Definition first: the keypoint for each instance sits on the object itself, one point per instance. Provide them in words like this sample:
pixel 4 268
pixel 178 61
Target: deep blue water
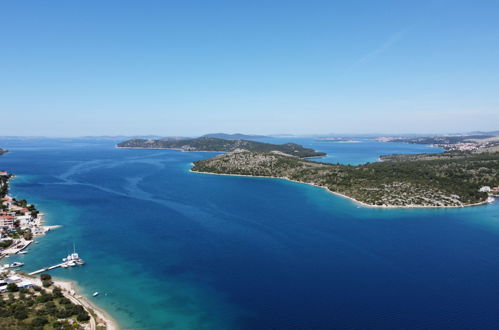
pixel 180 250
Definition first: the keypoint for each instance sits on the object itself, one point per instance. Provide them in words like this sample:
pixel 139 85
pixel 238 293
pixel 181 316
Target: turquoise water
pixel 170 249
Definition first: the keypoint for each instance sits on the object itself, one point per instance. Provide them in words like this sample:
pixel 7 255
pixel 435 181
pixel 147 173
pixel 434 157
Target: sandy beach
pixel 100 317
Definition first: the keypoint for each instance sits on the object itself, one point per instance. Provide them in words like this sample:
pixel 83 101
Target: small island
pixel 448 180
pixel 222 145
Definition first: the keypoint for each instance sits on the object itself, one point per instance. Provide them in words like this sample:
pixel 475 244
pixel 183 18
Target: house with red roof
pixel 6 221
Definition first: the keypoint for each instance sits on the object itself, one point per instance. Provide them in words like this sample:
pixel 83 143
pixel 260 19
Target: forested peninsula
pixel 443 180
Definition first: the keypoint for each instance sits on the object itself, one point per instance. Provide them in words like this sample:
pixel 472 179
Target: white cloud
pixel 386 45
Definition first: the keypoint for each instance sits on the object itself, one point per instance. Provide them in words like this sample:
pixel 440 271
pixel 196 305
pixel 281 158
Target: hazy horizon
pixel 276 135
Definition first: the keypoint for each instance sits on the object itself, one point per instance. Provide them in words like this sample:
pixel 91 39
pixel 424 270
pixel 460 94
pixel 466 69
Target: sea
pixel 170 249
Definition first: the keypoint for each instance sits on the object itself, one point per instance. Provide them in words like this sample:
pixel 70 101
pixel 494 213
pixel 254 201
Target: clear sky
pixel 72 68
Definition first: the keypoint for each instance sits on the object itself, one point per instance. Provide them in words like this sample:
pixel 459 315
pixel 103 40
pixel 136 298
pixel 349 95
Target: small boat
pixel 16 264
pixel 95 294
pixel 64 266
pixel 23 252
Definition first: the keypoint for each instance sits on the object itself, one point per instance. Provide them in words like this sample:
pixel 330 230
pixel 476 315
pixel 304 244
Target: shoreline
pixel 70 289
pixel 222 152
pixel 178 149
pixel 348 197
pixel 100 314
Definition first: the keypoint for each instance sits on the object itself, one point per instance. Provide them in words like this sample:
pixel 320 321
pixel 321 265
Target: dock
pixel 46 269
pixel 27 243
pixel 17 246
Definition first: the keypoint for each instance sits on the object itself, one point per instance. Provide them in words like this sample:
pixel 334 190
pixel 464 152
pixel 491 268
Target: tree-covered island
pixel 221 145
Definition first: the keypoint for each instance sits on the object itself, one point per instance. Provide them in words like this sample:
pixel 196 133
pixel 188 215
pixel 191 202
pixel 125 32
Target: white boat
pixel 95 294
pixel 16 264
pixel 73 259
pixel 23 252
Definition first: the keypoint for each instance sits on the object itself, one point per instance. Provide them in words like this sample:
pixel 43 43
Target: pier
pixel 46 269
pixel 26 244
pixel 17 246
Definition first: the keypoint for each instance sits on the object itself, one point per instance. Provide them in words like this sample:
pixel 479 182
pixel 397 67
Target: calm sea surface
pixel 170 249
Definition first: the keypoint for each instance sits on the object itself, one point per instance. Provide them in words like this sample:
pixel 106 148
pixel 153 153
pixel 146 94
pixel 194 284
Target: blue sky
pixel 72 68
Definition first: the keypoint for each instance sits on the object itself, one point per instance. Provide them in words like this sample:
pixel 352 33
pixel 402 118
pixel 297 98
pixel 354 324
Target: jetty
pixel 26 244
pixel 47 268
pixel 17 246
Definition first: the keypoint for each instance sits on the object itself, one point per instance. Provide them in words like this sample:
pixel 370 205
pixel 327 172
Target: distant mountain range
pixel 240 136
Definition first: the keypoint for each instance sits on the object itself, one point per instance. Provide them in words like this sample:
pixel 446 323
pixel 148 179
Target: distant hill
pixel 119 137
pixel 493 133
pixel 459 142
pixel 440 139
pixel 222 145
pixel 236 136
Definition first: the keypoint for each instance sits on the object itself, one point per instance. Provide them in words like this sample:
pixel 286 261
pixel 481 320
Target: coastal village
pixel 20 222
pixel 27 301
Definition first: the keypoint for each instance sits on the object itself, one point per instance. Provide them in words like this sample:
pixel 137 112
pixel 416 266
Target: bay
pixel 171 249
